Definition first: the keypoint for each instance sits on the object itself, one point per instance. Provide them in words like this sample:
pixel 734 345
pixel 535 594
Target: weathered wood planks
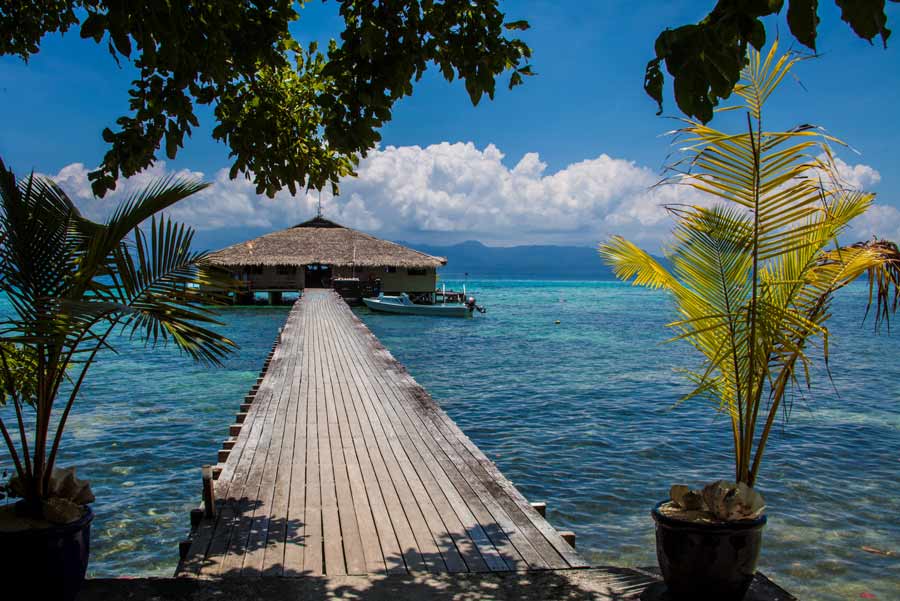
pixel 345 465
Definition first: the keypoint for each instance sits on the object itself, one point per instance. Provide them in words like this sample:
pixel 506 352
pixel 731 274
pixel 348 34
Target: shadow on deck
pixel 594 584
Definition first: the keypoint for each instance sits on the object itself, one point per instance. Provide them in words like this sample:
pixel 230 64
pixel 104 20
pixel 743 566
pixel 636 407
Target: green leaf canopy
pixel 291 116
pixel 705 59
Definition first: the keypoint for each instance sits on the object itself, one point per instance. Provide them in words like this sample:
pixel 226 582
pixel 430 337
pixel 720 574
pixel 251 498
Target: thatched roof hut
pixel 321 241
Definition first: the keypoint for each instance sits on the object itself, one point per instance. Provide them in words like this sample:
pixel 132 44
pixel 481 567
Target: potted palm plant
pixel 754 267
pixel 71 283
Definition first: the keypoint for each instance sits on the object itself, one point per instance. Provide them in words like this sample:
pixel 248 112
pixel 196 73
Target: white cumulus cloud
pixel 451 192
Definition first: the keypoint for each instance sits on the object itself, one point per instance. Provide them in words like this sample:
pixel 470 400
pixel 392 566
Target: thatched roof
pixel 321 241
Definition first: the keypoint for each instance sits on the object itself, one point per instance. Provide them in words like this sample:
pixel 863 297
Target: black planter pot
pixel 707 562
pixel 52 561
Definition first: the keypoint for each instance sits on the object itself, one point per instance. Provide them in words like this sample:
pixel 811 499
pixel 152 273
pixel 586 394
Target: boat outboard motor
pixel 470 304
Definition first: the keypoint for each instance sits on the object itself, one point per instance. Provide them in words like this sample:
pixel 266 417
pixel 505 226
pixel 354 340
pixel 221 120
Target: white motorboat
pixel 403 305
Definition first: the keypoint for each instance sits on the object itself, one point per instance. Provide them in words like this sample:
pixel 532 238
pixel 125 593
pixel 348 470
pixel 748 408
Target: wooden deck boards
pixel 346 466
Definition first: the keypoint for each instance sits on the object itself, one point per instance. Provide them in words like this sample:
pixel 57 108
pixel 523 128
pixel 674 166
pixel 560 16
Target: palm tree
pixel 754 271
pixel 71 283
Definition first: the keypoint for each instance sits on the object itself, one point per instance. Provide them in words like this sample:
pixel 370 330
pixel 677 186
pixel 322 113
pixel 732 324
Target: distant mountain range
pixel 538 262
pixel 519 262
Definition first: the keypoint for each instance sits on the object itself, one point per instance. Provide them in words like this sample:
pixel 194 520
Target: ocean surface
pixel 578 413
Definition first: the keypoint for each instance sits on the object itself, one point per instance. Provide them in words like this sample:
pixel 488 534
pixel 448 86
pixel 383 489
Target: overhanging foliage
pixel 705 59
pixel 292 116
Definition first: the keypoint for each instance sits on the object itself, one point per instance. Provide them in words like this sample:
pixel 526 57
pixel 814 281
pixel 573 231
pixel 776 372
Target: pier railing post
pixel 540 507
pixel 209 493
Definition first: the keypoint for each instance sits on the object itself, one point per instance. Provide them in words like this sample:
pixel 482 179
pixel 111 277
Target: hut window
pixel 416 271
pixel 390 269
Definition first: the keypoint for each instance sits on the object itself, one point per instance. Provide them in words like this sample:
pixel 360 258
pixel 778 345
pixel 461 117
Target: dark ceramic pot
pixel 707 562
pixel 52 561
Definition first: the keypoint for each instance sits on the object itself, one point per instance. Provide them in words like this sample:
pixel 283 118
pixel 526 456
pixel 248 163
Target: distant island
pixel 518 262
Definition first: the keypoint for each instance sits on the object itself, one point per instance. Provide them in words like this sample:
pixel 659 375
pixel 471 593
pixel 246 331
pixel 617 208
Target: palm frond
pixel 761 77
pixel 629 261
pixel 754 276
pixel 162 291
pixel 70 281
pixel 884 278
pixel 100 241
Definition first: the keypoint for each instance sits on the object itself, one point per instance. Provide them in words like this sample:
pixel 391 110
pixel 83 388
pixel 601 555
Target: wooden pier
pixel 343 465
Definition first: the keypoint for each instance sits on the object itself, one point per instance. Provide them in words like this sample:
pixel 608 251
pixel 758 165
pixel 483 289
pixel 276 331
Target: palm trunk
pixel 20 471
pixel 752 393
pixel 71 400
pixel 26 473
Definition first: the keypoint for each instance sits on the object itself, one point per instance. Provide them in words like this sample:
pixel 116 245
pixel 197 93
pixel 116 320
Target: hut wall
pixel 401 281
pixel 393 281
pixel 271 278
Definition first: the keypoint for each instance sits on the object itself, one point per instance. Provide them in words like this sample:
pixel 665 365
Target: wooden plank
pixel 212 537
pixel 391 492
pixel 406 512
pixel 366 528
pixel 436 544
pixel 393 533
pixel 429 521
pixel 504 526
pixel 235 472
pixel 248 499
pixel 419 512
pixel 279 525
pixel 523 515
pixel 345 465
pixel 263 510
pixel 332 530
pixel 351 539
pixel 500 510
pixel 295 543
pixel 452 485
pixel 497 553
pixel 369 503
pixel 535 525
pixel 313 553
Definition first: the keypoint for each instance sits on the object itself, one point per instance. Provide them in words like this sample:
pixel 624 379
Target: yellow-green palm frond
pixel 838 267
pixel 753 276
pixel 711 259
pixel 762 75
pixel 785 276
pixel 630 261
pixel 717 389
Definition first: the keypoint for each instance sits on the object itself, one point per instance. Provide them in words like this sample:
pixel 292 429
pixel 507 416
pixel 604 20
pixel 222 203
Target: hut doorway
pixel 317 276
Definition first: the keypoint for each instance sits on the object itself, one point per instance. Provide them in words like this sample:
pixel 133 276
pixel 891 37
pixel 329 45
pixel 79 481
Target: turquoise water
pixel 578 414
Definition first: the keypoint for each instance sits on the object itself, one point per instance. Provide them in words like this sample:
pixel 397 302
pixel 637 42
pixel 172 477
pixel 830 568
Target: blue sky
pixel 586 103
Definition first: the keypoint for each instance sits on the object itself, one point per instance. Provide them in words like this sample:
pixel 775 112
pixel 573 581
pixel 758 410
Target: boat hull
pixel 403 309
